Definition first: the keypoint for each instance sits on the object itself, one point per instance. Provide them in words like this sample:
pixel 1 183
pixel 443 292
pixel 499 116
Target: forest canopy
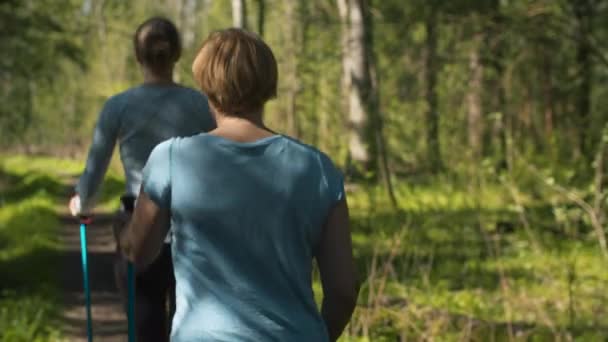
pixel 438 83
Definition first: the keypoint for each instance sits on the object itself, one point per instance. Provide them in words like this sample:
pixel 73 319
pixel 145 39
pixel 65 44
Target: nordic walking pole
pixel 131 301
pixel 84 221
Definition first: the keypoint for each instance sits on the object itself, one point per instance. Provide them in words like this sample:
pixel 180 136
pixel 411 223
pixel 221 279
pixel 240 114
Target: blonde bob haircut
pixel 237 71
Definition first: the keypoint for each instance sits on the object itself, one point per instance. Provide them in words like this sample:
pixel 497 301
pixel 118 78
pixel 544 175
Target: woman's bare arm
pixel 142 241
pixel 338 272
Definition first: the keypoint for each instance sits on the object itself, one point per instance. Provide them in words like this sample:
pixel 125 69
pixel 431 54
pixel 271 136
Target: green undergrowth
pixel 496 262
pixel 29 260
pixel 33 193
pixel 454 263
pixel 29 250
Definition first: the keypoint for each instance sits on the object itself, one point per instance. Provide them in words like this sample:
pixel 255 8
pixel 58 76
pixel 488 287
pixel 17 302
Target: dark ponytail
pixel 157 44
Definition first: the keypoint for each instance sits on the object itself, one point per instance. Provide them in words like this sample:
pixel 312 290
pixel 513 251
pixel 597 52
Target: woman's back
pixel 246 220
pixel 139 119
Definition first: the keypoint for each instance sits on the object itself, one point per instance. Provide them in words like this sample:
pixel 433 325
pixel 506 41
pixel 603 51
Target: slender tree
pixel 431 69
pixel 377 117
pixel 547 90
pixel 583 12
pixel 473 99
pixel 261 16
pixel 361 142
pixel 495 60
pixel 239 13
pixel 343 6
pixel 292 45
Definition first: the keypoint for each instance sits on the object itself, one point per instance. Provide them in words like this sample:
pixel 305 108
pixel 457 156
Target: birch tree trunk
pixel 239 14
pixel 291 59
pixel 360 143
pixel 188 23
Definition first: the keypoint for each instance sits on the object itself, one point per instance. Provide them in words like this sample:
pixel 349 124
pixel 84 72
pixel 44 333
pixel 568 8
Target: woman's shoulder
pixel 188 142
pixel 302 146
pixel 119 98
pixel 309 151
pixel 122 98
pixel 317 164
pixel 171 147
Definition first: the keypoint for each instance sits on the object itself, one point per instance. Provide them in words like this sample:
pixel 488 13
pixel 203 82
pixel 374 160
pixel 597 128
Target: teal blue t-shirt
pixel 246 219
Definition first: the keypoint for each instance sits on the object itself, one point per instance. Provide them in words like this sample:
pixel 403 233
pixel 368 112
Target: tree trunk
pixel 474 105
pixel 548 98
pixel 501 125
pixel 583 11
pixel 186 20
pixel 504 121
pixel 377 117
pixel 239 14
pixel 261 16
pixel 323 128
pixel 291 58
pixel 432 115
pixel 360 144
pixel 188 23
pixel 345 77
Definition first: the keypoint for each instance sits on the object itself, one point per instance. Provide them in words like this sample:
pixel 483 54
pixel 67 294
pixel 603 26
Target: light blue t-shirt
pixel 139 119
pixel 246 219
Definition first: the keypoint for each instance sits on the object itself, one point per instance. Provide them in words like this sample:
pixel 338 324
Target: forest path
pixel 109 320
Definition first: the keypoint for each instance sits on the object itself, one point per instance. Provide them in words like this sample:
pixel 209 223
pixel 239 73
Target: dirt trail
pixel 109 320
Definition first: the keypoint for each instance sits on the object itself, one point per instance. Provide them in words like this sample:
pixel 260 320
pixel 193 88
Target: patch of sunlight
pixel 27 224
pixel 29 255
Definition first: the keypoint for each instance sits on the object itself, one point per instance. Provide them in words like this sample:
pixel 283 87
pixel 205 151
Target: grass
pixel 454 263
pixel 459 264
pixel 29 297
pixel 32 193
pixel 28 264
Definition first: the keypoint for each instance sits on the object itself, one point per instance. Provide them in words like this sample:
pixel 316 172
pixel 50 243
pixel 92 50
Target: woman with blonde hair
pixel 250 210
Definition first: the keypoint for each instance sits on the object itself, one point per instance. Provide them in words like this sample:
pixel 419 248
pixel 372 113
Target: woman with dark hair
pixel 139 119
pixel 249 214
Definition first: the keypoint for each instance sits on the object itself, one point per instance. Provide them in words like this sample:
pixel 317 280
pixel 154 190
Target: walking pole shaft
pixel 85 274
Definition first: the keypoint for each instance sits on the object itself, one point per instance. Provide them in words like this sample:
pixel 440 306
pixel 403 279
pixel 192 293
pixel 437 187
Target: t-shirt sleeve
pixel 332 179
pixel 156 181
pixel 100 152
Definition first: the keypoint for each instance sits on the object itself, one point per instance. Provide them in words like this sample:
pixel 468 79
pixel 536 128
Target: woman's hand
pixel 75 206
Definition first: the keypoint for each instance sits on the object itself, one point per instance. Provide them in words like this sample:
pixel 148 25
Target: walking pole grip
pixel 84 221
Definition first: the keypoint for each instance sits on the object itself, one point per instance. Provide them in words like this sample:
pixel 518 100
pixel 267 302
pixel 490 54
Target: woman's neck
pixel 242 128
pixel 225 121
pixel 151 77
